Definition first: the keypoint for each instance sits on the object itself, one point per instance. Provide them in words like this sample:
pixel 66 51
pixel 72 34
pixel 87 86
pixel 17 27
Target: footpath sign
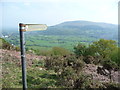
pixel 23 28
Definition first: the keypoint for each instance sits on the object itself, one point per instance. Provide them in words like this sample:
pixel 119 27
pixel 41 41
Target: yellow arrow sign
pixel 35 27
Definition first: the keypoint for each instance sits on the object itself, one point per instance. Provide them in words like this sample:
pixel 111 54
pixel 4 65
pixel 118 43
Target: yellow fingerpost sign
pixel 35 27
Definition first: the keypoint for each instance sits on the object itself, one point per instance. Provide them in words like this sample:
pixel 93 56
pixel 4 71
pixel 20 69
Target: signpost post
pixel 22 29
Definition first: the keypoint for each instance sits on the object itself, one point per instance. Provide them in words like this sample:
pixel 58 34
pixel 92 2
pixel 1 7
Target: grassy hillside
pixel 38 76
pixel 85 28
pixel 85 68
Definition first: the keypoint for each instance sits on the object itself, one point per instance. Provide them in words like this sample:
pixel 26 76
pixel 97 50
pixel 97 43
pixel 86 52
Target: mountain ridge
pixel 86 28
pixel 86 23
pixel 79 27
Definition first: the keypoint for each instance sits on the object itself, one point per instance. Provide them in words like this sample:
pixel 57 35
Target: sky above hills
pixel 52 12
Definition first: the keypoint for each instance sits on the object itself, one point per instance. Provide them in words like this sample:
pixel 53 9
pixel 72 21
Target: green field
pixel 48 41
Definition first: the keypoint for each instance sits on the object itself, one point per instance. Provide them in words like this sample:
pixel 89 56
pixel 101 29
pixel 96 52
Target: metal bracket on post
pixel 23 61
pixel 22 27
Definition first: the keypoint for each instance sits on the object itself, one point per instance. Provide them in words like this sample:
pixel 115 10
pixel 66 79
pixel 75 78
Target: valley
pixel 65 35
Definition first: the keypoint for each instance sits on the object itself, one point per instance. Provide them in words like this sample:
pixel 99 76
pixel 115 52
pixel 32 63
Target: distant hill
pixel 84 28
pixel 66 34
pixel 87 23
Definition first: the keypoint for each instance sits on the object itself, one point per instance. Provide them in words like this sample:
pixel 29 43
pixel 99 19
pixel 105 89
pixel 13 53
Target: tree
pixel 80 49
pixel 115 56
pixel 103 47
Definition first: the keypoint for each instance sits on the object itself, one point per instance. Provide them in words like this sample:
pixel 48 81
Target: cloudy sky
pixel 52 12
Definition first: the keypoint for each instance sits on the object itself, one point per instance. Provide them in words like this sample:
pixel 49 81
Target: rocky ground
pixel 101 75
pixel 95 71
pixel 16 56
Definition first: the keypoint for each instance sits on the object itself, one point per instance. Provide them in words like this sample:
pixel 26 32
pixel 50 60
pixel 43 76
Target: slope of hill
pixel 84 28
pixel 81 23
pixel 37 75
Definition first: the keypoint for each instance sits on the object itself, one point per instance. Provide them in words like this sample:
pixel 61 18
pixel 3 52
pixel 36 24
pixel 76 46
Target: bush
pixel 55 51
pixel 44 52
pixel 38 63
pixel 89 59
pixel 5 45
pixel 93 59
pixel 103 49
pixel 109 64
pixel 112 86
pixel 68 68
pixel 17 48
pixel 60 51
pixel 80 50
pixel 115 57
